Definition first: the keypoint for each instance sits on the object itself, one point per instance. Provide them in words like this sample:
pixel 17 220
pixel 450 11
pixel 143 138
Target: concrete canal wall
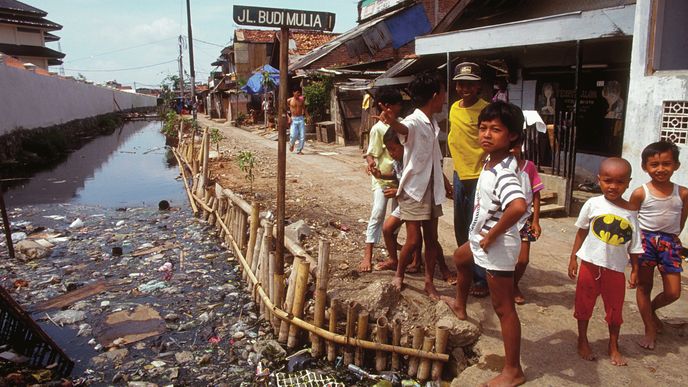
pixel 29 100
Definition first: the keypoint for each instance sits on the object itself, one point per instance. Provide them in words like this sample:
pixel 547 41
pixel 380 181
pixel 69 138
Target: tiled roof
pixel 18 6
pixel 307 41
pixel 25 50
pixel 16 63
pixel 254 36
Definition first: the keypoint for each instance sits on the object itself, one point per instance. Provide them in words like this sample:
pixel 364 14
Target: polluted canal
pixel 130 292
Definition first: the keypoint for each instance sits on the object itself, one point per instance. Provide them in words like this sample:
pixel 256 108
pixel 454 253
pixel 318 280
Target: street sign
pixel 279 18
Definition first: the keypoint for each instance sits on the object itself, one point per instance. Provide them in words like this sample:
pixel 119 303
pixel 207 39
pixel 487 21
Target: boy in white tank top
pixel 662 211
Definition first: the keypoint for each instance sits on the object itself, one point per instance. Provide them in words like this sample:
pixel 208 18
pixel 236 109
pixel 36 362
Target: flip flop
pixel 451 279
pixel 479 292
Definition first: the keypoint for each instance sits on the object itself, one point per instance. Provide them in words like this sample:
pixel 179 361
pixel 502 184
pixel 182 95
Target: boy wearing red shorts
pixel 608 234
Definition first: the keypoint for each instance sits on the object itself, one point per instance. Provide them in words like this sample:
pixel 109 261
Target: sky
pixel 135 42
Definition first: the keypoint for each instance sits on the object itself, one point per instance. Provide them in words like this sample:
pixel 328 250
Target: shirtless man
pixel 297 128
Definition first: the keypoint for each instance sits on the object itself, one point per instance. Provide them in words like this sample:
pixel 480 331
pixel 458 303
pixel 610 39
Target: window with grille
pixel 675 122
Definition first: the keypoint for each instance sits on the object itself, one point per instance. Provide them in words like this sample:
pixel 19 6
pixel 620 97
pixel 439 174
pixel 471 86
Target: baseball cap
pixel 467 71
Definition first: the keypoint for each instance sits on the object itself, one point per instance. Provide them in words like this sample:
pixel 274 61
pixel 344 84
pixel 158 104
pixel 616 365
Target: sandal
pixel 479 291
pixel 451 279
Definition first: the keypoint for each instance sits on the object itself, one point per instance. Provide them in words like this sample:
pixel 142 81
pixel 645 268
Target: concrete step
pixel 551 209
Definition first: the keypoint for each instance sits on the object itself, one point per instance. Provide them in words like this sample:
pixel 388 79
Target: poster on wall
pixel 601 109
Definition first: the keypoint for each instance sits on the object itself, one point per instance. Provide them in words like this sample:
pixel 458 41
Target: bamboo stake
pixel 327 335
pixel 221 212
pixel 273 290
pixel 186 182
pixel 227 218
pixel 441 338
pixel 381 336
pixel 206 200
pixel 396 340
pixel 331 348
pixel 212 217
pixel 418 334
pixel 256 257
pixel 321 282
pixel 278 283
pixel 299 301
pixel 252 232
pixel 362 334
pixel 289 300
pixel 425 364
pixel 351 317
pixel 242 229
pixel 265 270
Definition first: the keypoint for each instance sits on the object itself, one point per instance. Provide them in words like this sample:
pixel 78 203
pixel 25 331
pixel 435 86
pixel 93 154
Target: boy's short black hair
pixel 388 95
pixel 659 147
pixel 508 113
pixel 391 137
pixel 425 86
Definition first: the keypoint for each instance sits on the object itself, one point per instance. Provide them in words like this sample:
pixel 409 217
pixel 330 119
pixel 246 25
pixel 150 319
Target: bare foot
pixel 365 266
pixel 518 296
pixel 388 264
pixel 507 379
pixel 431 291
pixel 459 311
pixel 659 325
pixel 617 359
pixel 648 341
pixel 584 350
pixel 398 283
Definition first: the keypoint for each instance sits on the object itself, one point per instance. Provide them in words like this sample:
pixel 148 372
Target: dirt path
pixel 327 187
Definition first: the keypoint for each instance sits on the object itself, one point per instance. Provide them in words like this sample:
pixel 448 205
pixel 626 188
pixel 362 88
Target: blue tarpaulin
pixel 405 26
pixel 254 85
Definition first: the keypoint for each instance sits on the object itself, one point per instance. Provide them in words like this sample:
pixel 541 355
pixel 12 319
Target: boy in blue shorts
pixel 663 208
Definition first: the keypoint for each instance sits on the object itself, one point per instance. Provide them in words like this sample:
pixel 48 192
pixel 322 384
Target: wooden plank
pixel 70 298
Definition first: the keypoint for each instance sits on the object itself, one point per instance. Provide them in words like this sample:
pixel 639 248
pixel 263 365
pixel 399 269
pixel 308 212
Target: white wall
pixel 645 96
pixel 28 100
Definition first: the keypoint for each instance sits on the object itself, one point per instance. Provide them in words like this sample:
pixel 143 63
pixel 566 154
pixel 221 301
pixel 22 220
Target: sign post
pixel 282 19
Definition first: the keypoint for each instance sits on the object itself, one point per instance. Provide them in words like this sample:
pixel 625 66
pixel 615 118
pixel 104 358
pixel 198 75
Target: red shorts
pixel 594 281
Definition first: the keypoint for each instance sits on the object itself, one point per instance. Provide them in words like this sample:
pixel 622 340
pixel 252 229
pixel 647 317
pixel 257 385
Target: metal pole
pixel 6 223
pixel 282 150
pixel 191 59
pixel 574 129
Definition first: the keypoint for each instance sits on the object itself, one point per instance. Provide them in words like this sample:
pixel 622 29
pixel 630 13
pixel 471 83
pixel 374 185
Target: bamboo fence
pixel 249 237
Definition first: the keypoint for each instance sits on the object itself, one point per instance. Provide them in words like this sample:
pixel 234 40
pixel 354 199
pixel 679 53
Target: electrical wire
pixel 126 69
pixel 120 49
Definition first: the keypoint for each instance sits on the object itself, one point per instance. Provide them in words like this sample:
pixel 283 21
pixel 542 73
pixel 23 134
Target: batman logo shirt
pixel 612 229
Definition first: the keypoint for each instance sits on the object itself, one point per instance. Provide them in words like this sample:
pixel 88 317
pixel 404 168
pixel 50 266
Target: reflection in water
pixel 127 168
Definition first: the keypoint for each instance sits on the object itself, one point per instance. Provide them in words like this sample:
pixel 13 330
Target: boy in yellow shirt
pixel 467 155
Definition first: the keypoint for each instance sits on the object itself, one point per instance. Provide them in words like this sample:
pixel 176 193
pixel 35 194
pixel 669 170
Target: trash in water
pixel 305 378
pixel 164 205
pixel 77 223
pixel 131 327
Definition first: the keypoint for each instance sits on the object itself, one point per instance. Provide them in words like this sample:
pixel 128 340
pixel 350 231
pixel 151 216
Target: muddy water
pixel 130 167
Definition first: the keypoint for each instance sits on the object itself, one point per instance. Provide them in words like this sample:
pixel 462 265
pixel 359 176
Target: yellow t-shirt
pixel 463 139
pixel 383 161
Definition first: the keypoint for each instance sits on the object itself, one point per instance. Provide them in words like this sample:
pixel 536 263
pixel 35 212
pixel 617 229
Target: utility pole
pixel 181 68
pixel 191 59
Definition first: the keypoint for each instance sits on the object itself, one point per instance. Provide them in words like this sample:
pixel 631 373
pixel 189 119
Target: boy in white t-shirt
pixel 608 234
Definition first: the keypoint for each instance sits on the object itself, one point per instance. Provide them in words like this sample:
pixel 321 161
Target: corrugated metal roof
pixel 336 42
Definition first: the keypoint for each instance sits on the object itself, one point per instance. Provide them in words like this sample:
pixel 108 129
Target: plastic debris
pixel 78 223
pixel 305 378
